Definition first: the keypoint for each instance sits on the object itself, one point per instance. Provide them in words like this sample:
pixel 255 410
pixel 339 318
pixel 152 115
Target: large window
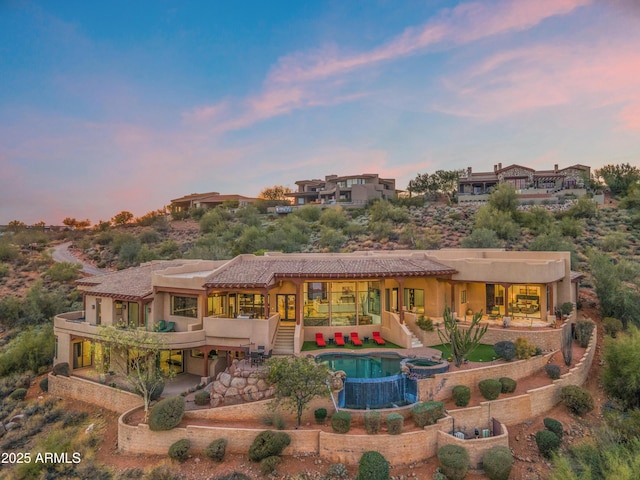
pixel 524 300
pixel 184 306
pixel 341 303
pixel 251 305
pixel 171 361
pixel 414 299
pixel 216 305
pixel 82 354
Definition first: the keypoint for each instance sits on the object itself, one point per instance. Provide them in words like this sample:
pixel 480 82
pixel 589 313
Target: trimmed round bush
pixel 395 422
pixel 508 384
pixel 372 422
pixel 44 384
pixel 269 465
pixel 216 449
pixel 547 442
pixel 461 395
pixel 505 349
pixel 341 422
pixel 166 414
pixel 268 444
pixel 554 425
pixel 18 394
pixel 497 463
pixel 202 398
pixel 454 461
pixel 524 349
pixel 373 466
pixel 180 449
pixel 612 326
pixel 576 399
pixel 490 388
pixel 427 413
pixel 584 329
pixel 320 415
pixel 61 369
pixel 553 371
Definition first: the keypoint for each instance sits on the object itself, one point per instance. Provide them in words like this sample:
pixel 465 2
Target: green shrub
pixel 454 461
pixel 180 449
pixel 554 426
pixel 61 369
pixel 216 449
pixel 274 420
pixel 18 394
pixel 44 384
pixel 64 271
pixel 167 413
pixel 341 422
pixel 576 399
pixel 320 415
pixel 508 384
pixel 584 329
pixel 497 463
pixel 372 422
pixel 461 395
pixel 373 466
pixel 490 388
pixel 612 326
pixel 337 471
pixel 553 371
pixel 268 444
pixel 395 422
pixel 269 465
pixel 202 398
pixel 524 348
pixel 505 349
pixel 547 442
pixel 163 473
pixel 425 324
pixel 427 413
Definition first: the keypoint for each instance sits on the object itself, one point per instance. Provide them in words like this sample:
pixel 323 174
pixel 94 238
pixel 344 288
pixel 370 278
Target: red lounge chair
pixel 355 339
pixel 320 340
pixel 378 339
pixel 339 339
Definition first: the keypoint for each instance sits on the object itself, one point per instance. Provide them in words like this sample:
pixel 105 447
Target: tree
pixel 134 353
pixel 441 182
pixel 70 222
pixel 504 198
pixel 297 381
pixel 122 218
pixel 621 372
pixel 277 192
pixel 461 341
pixel 500 221
pixel 16 226
pixel 482 238
pixel 619 177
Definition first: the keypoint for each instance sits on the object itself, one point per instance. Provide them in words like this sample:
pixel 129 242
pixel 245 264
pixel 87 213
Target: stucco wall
pixel 476 448
pixel 103 396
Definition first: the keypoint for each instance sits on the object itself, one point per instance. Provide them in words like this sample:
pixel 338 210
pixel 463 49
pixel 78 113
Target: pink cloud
pixel 630 117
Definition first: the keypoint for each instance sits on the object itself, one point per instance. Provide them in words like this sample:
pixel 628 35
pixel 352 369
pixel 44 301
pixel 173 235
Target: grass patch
pixel 484 352
pixel 309 346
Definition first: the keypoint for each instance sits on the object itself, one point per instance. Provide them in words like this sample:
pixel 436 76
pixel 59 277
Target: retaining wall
pixel 103 396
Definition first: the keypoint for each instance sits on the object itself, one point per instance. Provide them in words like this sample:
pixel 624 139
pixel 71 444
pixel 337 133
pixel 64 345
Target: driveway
pixel 61 253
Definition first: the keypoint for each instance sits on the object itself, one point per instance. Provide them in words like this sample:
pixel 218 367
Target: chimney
pixel 468 172
pixel 555 168
pixel 499 166
pixel 495 168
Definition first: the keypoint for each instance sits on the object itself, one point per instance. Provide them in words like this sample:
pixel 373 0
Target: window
pixel 216 305
pixel 414 298
pixel 82 354
pixel 171 361
pixel 251 304
pixel 55 348
pixel 184 306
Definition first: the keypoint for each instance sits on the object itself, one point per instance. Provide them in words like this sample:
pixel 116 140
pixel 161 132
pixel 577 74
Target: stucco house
pixel 208 200
pixel 349 189
pixel 209 312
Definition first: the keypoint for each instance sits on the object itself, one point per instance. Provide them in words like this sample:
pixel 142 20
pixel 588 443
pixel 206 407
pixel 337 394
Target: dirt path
pixel 61 253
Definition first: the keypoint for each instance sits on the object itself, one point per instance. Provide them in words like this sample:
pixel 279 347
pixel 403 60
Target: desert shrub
pixel 274 420
pixel 427 413
pixel 576 399
pixel 524 348
pixel 320 415
pixel 73 418
pixel 269 465
pixel 18 394
pixel 180 449
pixel 395 422
pixel 234 476
pixel 505 349
pixel 61 369
pixel 163 472
pixel 337 471
pixel 461 395
pixel 508 384
pixel 373 466
pixel 167 413
pixel 44 384
pixel 553 371
pixel 216 449
pixel 554 426
pixel 497 463
pixel 584 329
pixel 547 442
pixel 490 388
pixel 612 326
pixel 64 271
pixel 202 398
pixel 372 422
pixel 267 444
pixel 341 422
pixel 454 461
pixel 425 324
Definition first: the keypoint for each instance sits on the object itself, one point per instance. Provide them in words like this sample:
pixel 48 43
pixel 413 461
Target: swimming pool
pixel 375 365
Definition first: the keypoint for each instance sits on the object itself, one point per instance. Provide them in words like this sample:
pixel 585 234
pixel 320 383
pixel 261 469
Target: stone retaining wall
pixel 87 391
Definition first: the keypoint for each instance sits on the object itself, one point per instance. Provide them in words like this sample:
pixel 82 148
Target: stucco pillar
pixel 401 298
pixel 265 293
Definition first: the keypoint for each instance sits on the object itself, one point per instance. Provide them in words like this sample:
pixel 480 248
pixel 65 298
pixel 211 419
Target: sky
pixel 120 105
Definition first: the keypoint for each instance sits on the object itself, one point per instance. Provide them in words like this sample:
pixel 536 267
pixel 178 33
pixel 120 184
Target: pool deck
pixel 421 352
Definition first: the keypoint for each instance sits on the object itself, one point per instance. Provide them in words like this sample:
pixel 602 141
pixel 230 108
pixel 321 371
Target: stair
pixel 284 341
pixel 415 343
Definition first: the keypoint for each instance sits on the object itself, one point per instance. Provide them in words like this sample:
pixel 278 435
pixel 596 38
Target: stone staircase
pixel 284 340
pixel 415 343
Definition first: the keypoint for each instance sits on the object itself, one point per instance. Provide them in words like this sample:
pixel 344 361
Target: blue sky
pixel 106 106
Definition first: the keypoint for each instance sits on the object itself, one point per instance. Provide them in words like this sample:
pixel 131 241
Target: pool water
pixel 376 365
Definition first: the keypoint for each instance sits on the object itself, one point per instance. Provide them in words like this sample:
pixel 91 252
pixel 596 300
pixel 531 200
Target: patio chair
pixel 171 327
pixel 378 339
pixel 339 339
pixel 161 325
pixel 320 340
pixel 355 339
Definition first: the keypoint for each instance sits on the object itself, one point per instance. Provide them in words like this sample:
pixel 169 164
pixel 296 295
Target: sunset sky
pixel 114 105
